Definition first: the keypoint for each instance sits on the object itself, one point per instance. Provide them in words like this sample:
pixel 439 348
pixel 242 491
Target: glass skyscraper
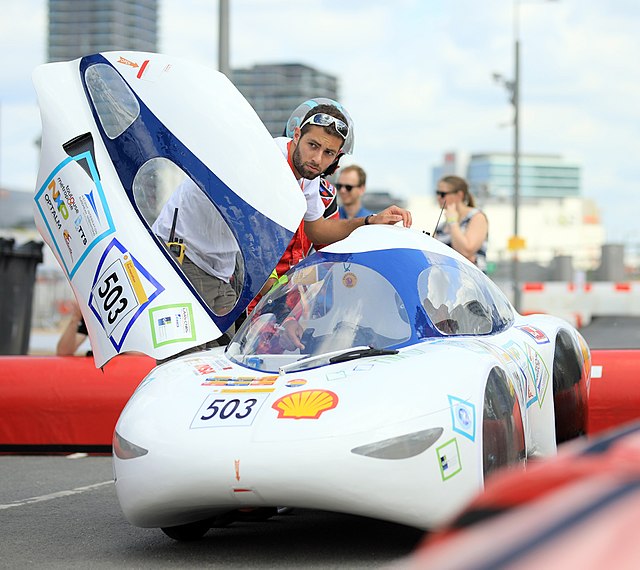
pixel 541 176
pixel 275 90
pixel 490 175
pixel 83 27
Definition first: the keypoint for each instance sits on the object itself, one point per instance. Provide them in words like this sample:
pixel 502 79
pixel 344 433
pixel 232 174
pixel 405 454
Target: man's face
pixel 314 151
pixel 349 179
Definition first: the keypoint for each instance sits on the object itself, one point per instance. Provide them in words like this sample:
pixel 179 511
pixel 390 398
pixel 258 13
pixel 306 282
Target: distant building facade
pixel 78 28
pixel 275 90
pixel 453 163
pixel 541 176
pixel 490 175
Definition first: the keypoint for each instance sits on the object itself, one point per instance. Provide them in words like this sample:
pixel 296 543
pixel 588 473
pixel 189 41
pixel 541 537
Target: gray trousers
pixel 219 296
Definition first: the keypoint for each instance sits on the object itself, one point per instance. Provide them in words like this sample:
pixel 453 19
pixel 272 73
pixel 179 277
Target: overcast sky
pixel 415 75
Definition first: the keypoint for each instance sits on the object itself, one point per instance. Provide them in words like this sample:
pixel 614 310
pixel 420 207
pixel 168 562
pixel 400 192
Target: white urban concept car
pixel 414 378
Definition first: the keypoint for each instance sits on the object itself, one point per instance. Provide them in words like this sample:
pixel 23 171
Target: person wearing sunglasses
pixel 318 133
pixel 464 228
pixel 351 186
pixel 315 147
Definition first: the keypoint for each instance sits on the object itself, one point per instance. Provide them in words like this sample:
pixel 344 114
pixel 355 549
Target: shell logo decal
pixel 307 404
pixel 297 383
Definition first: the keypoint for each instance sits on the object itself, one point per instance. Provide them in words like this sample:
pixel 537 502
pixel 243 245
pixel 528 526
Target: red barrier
pixel 65 402
pixel 614 397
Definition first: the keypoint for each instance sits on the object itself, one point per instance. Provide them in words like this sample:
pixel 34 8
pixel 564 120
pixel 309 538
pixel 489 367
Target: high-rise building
pixel 490 175
pixel 275 90
pixel 83 27
pixel 541 176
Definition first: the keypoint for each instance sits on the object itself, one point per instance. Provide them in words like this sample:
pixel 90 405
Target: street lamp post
pixel 223 37
pixel 516 243
pixel 517 296
pixel 513 87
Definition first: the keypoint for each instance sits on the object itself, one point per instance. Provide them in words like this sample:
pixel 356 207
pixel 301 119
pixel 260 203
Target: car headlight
pixel 401 447
pixel 124 449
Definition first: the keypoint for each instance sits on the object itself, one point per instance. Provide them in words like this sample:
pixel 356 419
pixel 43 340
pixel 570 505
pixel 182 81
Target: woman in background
pixel 465 228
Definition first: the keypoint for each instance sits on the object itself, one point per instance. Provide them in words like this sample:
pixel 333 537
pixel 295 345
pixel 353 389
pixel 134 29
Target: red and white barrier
pixel 579 303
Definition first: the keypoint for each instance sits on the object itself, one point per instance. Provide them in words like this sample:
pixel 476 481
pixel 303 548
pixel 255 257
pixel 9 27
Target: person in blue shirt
pixel 351 186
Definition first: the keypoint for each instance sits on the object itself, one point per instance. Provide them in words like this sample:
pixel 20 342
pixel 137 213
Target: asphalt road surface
pixel 62 512
pixel 612 332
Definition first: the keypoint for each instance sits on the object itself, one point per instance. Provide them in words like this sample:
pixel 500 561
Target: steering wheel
pixel 308 340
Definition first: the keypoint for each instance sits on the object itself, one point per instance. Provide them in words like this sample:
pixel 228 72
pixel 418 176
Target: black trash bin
pixel 17 280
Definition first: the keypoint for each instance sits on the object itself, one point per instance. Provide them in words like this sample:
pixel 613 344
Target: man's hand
pixel 392 215
pixel 327 230
pixel 292 333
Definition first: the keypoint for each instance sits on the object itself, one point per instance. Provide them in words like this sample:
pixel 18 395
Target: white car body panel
pixel 210 466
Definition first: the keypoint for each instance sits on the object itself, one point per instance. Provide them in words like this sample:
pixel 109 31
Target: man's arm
pixel 70 339
pixel 328 231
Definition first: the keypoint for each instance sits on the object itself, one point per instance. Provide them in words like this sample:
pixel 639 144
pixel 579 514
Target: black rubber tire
pixel 503 440
pixel 187 532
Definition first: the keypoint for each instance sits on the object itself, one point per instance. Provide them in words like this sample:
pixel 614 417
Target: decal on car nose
pixel 307 404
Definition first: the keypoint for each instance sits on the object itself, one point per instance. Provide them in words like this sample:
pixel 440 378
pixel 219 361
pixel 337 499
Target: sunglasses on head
pixel 443 194
pixel 325 120
pixel 347 187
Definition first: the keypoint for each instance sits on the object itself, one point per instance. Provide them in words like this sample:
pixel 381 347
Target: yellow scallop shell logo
pixel 307 404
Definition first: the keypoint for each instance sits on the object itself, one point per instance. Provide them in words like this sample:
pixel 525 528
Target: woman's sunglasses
pixel 444 194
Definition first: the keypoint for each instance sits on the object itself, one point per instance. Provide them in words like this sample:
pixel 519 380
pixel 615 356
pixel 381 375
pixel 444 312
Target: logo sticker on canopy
pixel 120 291
pixel 172 323
pixel 74 209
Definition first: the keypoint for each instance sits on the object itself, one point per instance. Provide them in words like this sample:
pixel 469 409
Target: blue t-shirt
pixel 362 212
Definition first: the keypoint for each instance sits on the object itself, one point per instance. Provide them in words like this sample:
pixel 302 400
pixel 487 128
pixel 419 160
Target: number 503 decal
pixel 228 410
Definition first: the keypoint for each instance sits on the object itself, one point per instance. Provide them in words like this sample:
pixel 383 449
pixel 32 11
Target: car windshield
pixel 461 301
pixel 332 303
pixel 321 309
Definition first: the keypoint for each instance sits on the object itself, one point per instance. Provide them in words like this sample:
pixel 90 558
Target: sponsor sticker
pixel 307 404
pixel 540 373
pixel 463 417
pixel 121 290
pixel 240 381
pixel 534 333
pixel 172 323
pixel 73 208
pixel 449 459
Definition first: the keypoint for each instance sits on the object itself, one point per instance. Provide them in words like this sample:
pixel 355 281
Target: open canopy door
pixel 121 131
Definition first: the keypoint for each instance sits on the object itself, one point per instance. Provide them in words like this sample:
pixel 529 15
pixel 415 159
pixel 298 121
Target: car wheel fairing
pixel 503 441
pixel 569 389
pixel 187 532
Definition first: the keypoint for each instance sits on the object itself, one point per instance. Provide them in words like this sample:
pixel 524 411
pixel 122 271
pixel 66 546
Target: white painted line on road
pixel 76 456
pixel 57 495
